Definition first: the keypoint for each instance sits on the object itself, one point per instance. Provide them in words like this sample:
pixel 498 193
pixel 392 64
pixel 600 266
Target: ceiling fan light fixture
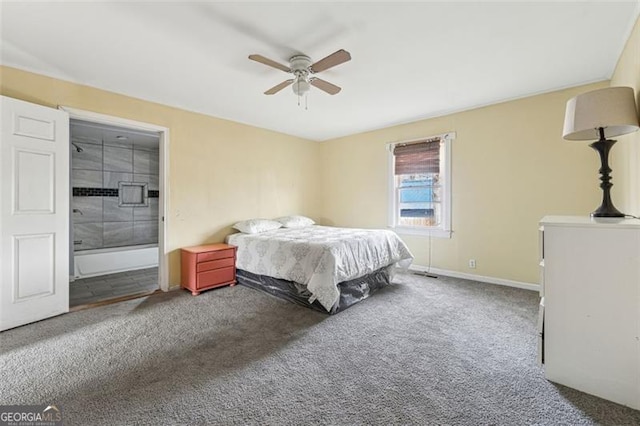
pixel 301 87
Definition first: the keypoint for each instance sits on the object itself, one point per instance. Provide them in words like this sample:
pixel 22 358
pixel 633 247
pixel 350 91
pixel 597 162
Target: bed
pixel 321 267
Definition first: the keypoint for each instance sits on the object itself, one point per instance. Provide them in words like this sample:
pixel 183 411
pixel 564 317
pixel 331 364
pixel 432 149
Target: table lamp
pixel 601 114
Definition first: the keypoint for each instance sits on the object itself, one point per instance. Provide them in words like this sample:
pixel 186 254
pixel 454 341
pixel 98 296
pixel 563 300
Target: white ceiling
pixel 410 60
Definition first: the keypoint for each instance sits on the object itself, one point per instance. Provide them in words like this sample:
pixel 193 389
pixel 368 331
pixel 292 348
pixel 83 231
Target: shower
pixel 115 188
pixel 115 197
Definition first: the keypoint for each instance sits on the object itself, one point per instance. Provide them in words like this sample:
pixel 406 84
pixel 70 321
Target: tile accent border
pixel 105 192
pixel 94 192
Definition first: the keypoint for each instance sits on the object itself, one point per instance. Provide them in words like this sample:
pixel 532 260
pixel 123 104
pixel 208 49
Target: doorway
pixel 117 209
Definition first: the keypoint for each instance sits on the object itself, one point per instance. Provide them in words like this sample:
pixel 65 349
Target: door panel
pixel 34 127
pixel 28 281
pixel 34 213
pixel 34 182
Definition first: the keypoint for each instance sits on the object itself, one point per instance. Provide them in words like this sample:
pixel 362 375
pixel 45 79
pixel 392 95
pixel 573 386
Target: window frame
pixel 444 229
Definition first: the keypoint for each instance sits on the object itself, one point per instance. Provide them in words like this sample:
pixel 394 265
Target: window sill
pixel 426 232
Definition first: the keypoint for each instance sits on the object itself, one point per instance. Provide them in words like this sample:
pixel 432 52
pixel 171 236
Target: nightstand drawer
pixel 216 276
pixel 218 254
pixel 215 264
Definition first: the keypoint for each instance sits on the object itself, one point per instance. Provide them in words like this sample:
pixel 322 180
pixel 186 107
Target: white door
pixel 34 212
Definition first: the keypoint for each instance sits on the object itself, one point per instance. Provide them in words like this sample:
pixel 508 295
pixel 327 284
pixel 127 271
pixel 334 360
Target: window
pixel 420 186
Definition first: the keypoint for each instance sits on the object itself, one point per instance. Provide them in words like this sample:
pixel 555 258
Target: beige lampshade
pixel 613 109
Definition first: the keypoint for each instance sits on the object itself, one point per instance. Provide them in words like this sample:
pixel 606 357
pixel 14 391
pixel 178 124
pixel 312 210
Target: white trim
pixel 480 278
pixel 448 189
pixel 424 232
pixel 447 136
pixel 391 203
pixel 163 258
pixel 96 117
pixel 442 231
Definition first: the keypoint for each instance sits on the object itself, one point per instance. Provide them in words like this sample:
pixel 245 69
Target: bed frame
pixel 351 292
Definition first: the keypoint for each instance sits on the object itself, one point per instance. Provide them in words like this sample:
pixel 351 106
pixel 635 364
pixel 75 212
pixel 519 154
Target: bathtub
pixel 91 263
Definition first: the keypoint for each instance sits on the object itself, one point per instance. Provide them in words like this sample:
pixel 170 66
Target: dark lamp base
pixel 606 209
pixel 610 212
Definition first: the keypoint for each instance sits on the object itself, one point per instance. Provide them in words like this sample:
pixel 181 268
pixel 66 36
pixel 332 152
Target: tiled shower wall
pixel 98 221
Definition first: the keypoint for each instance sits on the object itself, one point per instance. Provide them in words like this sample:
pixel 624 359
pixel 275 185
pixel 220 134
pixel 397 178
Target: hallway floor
pixel 105 287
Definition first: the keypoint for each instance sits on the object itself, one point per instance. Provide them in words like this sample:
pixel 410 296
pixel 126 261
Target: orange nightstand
pixel 208 266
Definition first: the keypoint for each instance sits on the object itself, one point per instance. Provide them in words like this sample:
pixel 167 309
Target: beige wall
pixel 510 167
pixel 626 153
pixel 220 171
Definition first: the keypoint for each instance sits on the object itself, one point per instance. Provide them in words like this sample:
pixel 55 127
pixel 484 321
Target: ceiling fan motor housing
pixel 300 63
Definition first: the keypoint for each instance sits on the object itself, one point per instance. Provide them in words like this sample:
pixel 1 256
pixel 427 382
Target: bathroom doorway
pixel 117 182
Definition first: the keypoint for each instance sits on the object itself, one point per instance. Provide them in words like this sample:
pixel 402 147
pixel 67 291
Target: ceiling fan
pixel 303 69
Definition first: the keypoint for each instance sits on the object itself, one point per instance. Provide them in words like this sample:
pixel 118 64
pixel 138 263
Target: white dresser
pixel 590 283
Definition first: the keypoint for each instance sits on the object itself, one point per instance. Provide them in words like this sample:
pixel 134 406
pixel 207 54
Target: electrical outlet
pixel 472 263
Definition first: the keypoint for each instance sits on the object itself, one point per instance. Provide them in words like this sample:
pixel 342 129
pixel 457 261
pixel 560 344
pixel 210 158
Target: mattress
pixel 319 257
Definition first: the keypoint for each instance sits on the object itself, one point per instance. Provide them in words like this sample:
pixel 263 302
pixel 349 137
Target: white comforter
pixel 319 256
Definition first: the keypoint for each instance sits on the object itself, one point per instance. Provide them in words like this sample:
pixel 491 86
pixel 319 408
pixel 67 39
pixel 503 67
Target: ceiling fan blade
pixel 325 86
pixel 279 87
pixel 269 62
pixel 336 58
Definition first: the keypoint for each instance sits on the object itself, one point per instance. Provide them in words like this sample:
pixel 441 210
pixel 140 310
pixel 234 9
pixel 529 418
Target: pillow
pixel 255 226
pixel 295 221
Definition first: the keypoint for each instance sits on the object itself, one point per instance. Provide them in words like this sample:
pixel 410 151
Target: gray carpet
pixel 423 352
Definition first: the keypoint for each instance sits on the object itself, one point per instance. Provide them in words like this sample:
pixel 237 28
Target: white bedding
pixel 319 257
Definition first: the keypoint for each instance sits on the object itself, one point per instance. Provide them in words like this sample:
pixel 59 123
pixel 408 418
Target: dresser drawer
pixel 216 276
pixel 218 254
pixel 215 264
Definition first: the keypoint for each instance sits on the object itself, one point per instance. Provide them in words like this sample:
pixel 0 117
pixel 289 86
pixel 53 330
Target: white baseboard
pixel 481 278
